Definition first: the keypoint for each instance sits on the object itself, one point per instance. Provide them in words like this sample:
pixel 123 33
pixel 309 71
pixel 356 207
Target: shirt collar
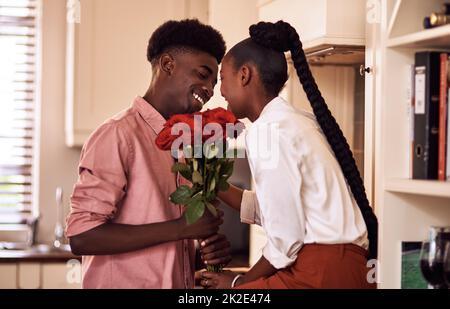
pixel 153 118
pixel 271 105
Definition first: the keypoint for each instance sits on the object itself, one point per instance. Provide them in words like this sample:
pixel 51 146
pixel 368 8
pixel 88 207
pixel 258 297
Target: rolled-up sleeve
pixel 102 179
pixel 250 212
pixel 278 184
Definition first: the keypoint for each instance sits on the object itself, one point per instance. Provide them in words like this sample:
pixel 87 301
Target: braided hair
pixel 282 37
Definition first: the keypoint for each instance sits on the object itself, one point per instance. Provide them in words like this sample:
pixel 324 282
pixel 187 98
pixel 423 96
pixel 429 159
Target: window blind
pixel 17 106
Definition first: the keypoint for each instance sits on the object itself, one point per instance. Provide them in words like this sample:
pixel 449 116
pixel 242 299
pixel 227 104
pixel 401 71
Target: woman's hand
pixel 221 280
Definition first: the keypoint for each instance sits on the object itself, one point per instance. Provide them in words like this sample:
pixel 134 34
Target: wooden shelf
pixel 430 38
pixel 419 187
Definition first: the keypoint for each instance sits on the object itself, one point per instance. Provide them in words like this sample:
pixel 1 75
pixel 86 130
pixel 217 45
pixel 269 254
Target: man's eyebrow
pixel 207 68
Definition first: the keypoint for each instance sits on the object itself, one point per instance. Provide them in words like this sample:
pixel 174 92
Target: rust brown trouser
pixel 342 266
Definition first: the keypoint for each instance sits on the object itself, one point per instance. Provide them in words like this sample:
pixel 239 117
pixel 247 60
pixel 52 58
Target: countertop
pixel 39 253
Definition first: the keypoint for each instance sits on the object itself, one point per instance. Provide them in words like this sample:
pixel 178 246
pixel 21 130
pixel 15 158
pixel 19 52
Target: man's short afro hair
pixel 188 33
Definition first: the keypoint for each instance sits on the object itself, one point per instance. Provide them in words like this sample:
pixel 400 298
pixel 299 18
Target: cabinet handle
pixel 363 69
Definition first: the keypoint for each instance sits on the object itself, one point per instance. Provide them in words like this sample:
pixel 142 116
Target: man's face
pixel 192 81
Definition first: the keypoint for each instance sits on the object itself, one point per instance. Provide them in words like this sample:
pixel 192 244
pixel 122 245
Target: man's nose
pixel 209 90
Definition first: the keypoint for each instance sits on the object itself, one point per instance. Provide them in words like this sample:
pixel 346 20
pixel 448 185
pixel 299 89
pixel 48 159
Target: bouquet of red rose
pixel 202 139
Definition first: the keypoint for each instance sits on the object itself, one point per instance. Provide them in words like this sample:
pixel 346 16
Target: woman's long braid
pixel 336 139
pixel 328 123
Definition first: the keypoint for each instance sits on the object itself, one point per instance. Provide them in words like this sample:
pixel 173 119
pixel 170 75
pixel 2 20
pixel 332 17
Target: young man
pixel 121 219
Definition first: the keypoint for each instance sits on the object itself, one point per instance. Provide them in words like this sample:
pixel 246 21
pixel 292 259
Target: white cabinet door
pixel 372 93
pixel 61 276
pixel 8 276
pixel 106 57
pixel 29 275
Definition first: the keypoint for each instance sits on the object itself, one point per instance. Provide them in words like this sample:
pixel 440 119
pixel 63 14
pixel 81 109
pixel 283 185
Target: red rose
pixel 218 115
pixel 223 117
pixel 165 139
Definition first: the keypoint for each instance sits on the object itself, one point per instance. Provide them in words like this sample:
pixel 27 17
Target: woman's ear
pixel 245 75
pixel 166 63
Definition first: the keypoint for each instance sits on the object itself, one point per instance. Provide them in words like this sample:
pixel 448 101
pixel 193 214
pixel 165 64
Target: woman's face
pixel 231 87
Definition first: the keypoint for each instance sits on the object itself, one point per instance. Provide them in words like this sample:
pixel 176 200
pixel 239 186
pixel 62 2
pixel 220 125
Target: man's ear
pixel 167 63
pixel 245 75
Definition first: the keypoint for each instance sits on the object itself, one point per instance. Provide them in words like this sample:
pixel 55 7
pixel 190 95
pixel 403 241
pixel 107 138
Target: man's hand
pixel 215 250
pixel 204 227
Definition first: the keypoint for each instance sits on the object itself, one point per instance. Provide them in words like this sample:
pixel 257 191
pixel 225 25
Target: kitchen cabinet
pixel 322 22
pixel 8 278
pixel 39 275
pixel 61 275
pixel 28 275
pixel 31 269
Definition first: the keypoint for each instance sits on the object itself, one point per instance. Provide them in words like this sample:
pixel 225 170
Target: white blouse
pixel 301 195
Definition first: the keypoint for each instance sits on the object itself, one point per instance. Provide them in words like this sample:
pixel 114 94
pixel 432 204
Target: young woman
pixel 309 196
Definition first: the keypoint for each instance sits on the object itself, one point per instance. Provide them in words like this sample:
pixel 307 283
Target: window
pixel 17 107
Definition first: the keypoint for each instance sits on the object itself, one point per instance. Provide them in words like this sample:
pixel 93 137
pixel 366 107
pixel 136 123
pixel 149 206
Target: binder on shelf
pixel 426 115
pixel 409 72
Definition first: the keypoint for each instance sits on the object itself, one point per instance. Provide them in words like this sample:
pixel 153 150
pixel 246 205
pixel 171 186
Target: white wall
pixel 57 164
pixel 232 18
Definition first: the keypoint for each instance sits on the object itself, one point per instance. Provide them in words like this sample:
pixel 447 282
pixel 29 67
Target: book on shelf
pixel 430 124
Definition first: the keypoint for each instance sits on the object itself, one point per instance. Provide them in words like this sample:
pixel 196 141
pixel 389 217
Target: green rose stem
pixel 218 268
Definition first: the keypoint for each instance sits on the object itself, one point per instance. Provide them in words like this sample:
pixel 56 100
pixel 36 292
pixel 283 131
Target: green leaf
pixel 183 169
pixel 195 198
pixel 194 211
pixel 197 177
pixel 181 195
pixel 223 184
pixel 212 209
pixel 227 168
pixel 211 195
pixel 178 167
pixel 186 174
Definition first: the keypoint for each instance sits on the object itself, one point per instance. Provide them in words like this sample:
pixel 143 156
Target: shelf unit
pixel 419 187
pixel 431 38
pixel 406 208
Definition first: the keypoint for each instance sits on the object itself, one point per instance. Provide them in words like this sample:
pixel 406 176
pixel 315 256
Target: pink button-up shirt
pixel 124 178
